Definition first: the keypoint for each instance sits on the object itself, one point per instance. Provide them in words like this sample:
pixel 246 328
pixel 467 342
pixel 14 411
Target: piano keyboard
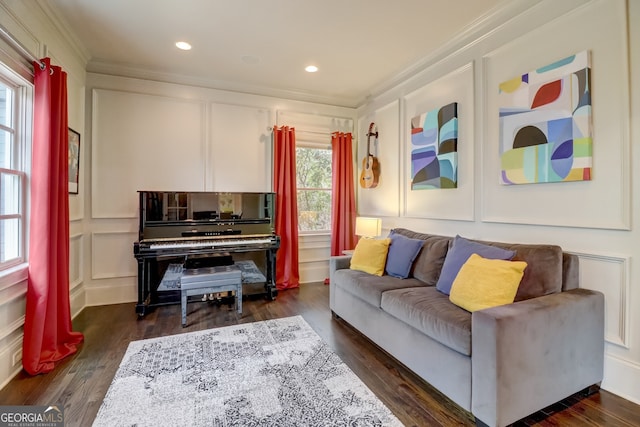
pixel 207 243
pixel 213 242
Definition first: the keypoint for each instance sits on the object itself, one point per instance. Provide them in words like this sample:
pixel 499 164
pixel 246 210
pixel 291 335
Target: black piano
pixel 197 229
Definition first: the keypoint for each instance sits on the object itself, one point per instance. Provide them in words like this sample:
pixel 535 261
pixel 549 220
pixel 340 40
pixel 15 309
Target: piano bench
pixel 198 281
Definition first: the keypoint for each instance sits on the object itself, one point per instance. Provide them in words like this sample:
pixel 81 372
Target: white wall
pixel 594 219
pixel 103 224
pixel 34 29
pixel 145 135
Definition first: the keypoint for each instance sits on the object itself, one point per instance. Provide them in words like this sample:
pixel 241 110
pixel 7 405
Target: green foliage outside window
pixel 314 188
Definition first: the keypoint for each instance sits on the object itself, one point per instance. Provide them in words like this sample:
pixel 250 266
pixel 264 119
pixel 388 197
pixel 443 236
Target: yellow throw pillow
pixel 482 283
pixel 370 255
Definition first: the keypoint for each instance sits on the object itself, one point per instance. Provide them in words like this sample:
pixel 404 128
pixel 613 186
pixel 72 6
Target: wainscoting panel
pixel 113 291
pixel 112 254
pixel 77 300
pixel 383 200
pixel 240 149
pixel 12 302
pixel 76 201
pixel 76 260
pixel 15 326
pixel 10 360
pixel 446 203
pixel 604 201
pixel 315 271
pixel 609 275
pixel 12 314
pixel 142 142
pixel 314 251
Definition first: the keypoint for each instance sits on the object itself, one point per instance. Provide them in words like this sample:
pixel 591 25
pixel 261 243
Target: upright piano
pixel 201 229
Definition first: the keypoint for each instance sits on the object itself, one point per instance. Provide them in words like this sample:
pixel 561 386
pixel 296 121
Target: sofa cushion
pixel 370 255
pixel 460 251
pixel 544 273
pixel 482 283
pixel 428 263
pixel 402 252
pixel 430 312
pixel 368 287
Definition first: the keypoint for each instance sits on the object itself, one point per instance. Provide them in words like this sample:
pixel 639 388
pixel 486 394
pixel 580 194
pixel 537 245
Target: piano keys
pixel 254 241
pixel 178 226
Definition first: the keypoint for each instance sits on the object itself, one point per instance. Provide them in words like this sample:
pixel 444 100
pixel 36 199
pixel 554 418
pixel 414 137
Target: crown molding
pixel 60 24
pixel 127 70
pixel 475 32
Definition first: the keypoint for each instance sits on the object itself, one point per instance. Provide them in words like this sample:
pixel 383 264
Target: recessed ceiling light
pixel 183 45
pixel 311 69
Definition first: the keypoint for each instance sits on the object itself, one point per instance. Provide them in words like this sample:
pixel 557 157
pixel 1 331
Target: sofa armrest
pixel 339 262
pixel 531 354
pixel 336 263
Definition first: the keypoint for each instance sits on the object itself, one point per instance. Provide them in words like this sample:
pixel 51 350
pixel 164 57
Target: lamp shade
pixel 368 227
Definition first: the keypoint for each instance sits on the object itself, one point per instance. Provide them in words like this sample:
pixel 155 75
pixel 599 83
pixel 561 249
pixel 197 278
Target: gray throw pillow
pixel 460 251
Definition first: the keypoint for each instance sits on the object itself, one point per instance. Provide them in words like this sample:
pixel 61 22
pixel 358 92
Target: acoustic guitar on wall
pixel 370 165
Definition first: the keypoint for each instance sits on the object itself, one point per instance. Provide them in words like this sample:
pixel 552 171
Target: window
pixel 313 165
pixel 12 175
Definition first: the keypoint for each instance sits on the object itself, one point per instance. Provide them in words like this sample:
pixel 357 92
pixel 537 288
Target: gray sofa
pixel 501 363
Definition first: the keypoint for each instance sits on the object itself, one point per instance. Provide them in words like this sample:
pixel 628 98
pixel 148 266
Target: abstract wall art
pixel 545 123
pixel 434 149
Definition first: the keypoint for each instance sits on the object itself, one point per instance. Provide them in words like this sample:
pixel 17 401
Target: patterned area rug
pixel 272 373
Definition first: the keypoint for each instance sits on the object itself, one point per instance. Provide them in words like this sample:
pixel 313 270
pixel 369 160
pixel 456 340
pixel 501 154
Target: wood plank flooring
pixel 81 381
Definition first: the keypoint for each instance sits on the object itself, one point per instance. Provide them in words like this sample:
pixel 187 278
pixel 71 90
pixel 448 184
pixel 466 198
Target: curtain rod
pixel 7 37
pixel 314 132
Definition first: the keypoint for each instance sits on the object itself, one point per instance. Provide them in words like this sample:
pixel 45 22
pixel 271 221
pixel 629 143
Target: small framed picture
pixel 74 160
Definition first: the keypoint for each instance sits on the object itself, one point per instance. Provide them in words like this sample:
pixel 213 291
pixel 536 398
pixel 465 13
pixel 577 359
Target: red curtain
pixel 285 186
pixel 48 336
pixel 343 206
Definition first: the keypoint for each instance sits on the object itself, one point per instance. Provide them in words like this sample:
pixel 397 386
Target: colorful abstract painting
pixel 545 124
pixel 434 149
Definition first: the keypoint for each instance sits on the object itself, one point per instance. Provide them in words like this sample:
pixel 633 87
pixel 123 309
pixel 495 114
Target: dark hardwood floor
pixel 81 381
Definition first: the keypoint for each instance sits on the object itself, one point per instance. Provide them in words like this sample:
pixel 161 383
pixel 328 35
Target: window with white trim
pixel 313 170
pixel 13 171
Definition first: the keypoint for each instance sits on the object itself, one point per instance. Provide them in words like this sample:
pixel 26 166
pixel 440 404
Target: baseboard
pixel 621 377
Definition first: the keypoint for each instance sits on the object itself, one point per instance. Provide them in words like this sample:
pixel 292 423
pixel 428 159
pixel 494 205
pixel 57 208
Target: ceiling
pixel 361 47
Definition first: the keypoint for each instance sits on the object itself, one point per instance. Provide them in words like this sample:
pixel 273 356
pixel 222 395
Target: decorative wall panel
pixel 240 149
pixel 384 199
pixel 609 275
pixel 112 254
pixel 76 260
pixel 604 201
pixel 143 142
pixel 454 91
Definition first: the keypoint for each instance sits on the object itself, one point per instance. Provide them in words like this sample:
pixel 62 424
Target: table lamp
pixel 368 227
